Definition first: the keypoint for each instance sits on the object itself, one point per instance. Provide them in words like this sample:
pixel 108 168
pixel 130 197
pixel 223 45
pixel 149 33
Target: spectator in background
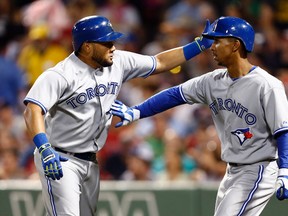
pixel 112 158
pixel 175 164
pixel 151 13
pixel 12 27
pixel 187 14
pixel 9 165
pixel 52 13
pixel 77 9
pixel 268 16
pixel 124 16
pixel 203 145
pixel 9 156
pixel 41 53
pixel 139 163
pixel 12 83
pixel 12 79
pixel 279 16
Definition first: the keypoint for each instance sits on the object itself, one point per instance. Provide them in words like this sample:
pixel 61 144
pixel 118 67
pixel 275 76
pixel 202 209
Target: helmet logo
pixel 215 26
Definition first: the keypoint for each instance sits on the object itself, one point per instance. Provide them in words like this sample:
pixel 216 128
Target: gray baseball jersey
pixel 247 112
pixel 76 98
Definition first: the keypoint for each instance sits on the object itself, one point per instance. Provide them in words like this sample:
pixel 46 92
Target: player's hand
pixel 126 114
pixel 205 43
pixel 51 161
pixel 282 184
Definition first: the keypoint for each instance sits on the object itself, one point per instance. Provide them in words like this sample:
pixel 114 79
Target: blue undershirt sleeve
pixel 160 102
pixel 282 143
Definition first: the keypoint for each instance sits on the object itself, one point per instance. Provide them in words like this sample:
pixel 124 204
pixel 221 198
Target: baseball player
pixel 67 110
pixel 250 111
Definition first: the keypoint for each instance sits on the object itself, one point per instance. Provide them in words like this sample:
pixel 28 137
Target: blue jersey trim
pixel 153 67
pixel 51 197
pixel 182 94
pixel 280 130
pixel 252 192
pixel 27 100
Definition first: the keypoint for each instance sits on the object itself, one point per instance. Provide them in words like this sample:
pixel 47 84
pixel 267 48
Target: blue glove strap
pixel 282 143
pixel 190 50
pixel 160 102
pixel 40 139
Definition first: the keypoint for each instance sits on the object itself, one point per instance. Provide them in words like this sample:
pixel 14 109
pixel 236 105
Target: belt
pixel 88 156
pixel 240 164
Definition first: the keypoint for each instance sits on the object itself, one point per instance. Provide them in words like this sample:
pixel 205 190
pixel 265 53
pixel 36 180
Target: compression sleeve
pixel 282 143
pixel 160 102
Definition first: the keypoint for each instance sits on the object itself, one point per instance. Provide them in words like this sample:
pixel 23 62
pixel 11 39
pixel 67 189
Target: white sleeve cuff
pixel 283 172
pixel 136 113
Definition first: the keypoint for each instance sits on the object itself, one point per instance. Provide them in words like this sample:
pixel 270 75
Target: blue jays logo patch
pixel 214 26
pixel 242 134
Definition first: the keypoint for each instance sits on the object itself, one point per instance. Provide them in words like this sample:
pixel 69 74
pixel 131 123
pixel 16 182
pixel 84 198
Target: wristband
pixel 40 139
pixel 282 140
pixel 190 50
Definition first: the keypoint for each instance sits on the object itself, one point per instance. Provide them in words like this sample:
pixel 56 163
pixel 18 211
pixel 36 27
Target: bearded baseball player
pixel 67 110
pixel 250 111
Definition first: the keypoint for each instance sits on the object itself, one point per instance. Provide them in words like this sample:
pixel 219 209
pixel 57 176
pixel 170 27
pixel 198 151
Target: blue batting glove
pixel 205 43
pixel 282 184
pixel 51 161
pixel 126 114
pixel 199 44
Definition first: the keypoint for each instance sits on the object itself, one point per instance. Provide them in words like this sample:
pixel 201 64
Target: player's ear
pixel 86 46
pixel 236 45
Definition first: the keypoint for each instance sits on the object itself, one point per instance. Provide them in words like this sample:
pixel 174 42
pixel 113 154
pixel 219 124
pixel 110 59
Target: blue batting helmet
pixel 93 29
pixel 232 27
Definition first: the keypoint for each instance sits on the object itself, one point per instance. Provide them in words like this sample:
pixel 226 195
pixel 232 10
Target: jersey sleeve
pixel 136 65
pixel 193 90
pixel 276 109
pixel 46 90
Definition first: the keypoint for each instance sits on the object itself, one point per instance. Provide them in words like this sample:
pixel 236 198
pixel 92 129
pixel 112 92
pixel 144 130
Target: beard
pixel 102 61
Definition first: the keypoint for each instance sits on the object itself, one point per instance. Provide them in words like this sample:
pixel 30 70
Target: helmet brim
pixel 113 36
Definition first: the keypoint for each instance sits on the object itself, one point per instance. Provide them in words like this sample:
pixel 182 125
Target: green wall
pixel 23 198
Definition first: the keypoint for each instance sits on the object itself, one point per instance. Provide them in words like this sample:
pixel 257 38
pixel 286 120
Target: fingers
pixel 64 159
pixel 119 124
pixel 54 170
pixel 118 113
pixel 116 107
pixel 280 193
pixel 118 102
pixel 207 25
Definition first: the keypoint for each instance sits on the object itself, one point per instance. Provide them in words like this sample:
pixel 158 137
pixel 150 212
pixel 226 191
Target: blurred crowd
pixel 178 145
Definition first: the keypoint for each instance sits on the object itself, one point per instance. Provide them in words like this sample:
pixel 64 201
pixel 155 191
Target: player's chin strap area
pixel 88 156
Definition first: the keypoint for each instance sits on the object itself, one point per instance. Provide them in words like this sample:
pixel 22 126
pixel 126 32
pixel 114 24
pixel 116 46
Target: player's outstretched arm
pixel 160 102
pixel 172 58
pixel 125 113
pixel 282 180
pixel 50 158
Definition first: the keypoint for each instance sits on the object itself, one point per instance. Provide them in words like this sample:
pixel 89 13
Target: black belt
pixel 88 156
pixel 240 164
